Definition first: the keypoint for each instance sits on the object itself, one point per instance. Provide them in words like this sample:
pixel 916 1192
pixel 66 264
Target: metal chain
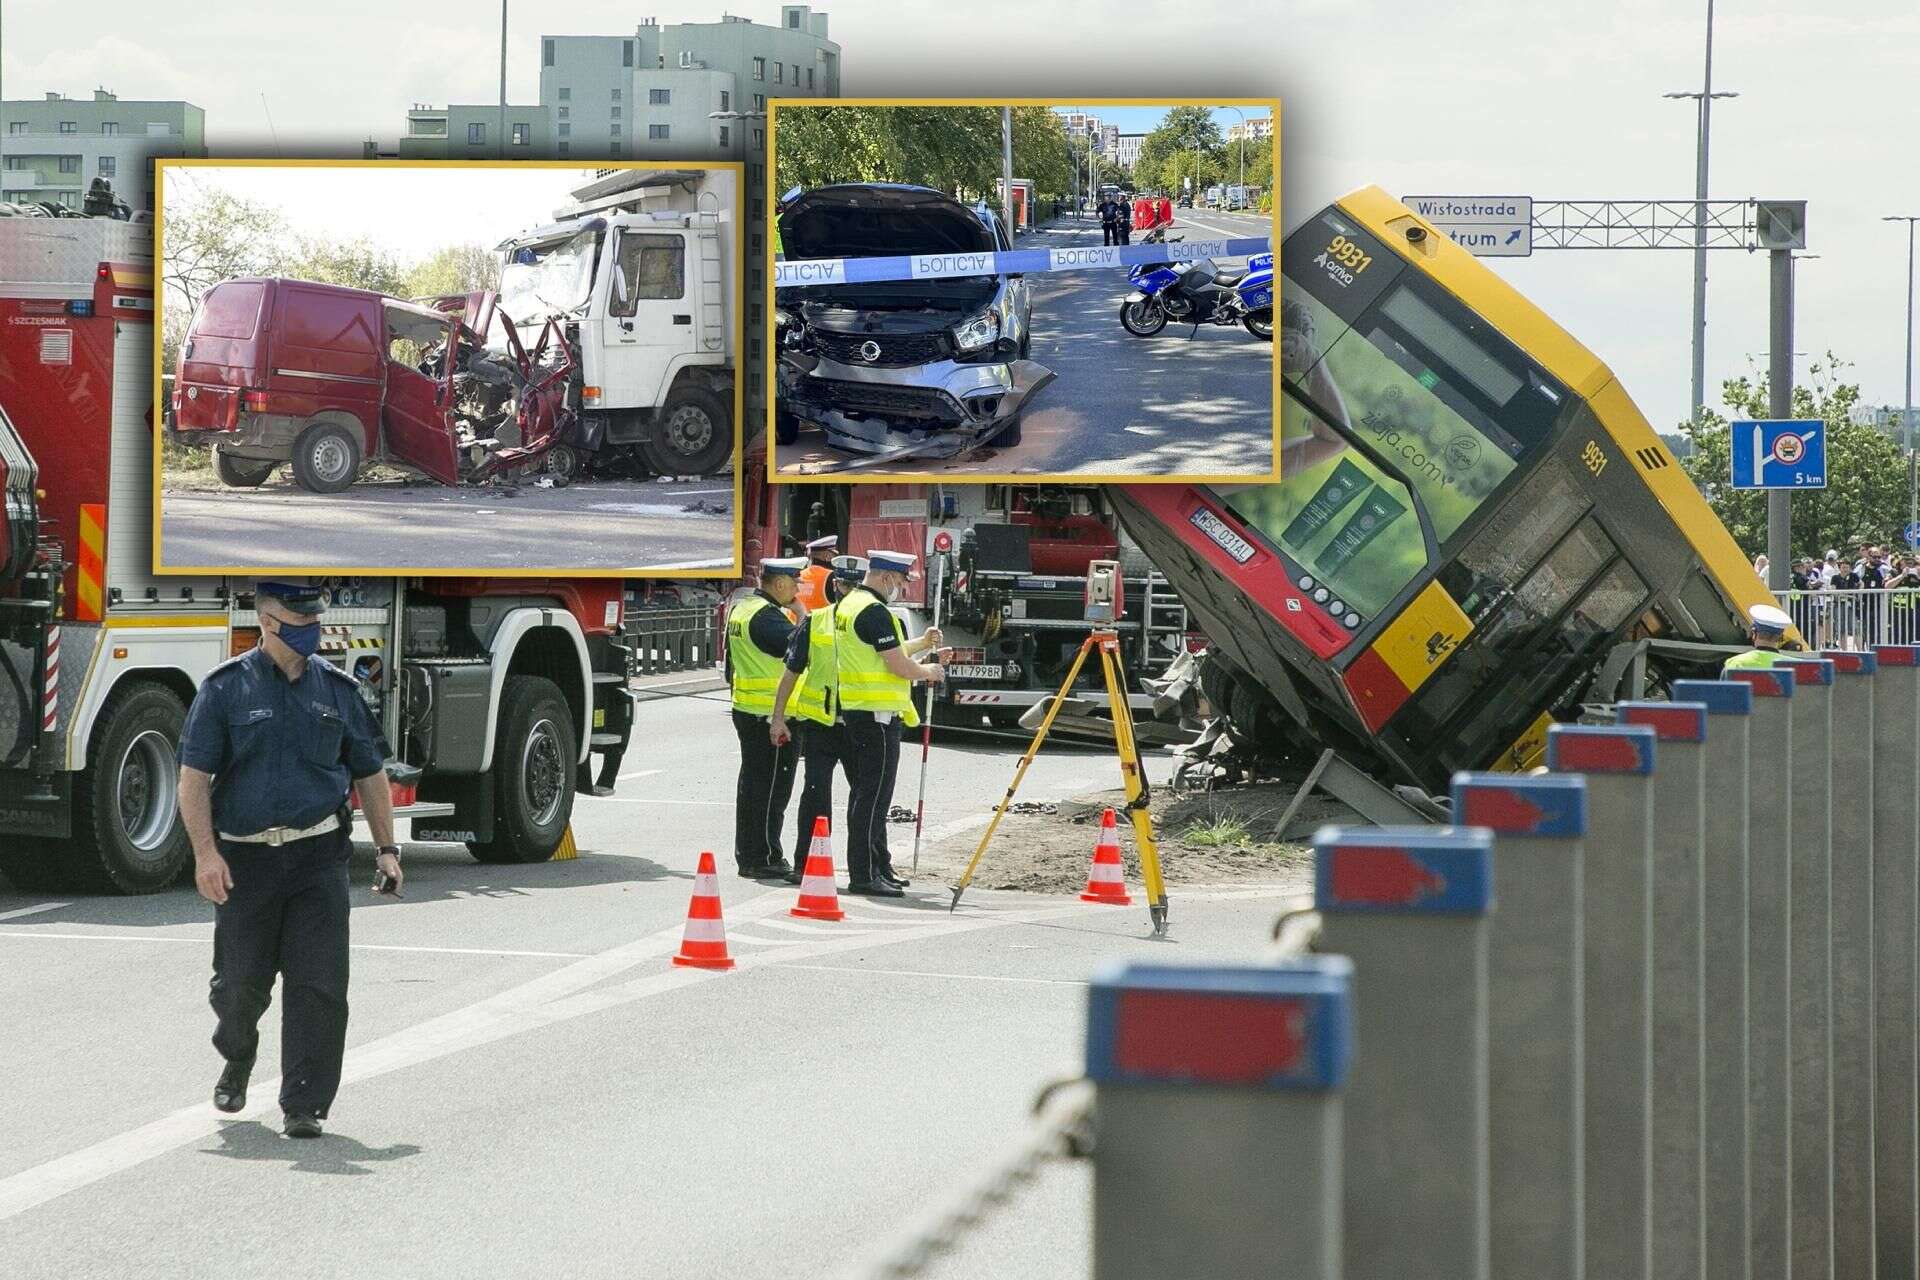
pixel 1062 1130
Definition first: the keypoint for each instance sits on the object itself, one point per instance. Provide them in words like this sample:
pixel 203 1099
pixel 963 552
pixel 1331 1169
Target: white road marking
pixel 357 946
pixel 551 998
pixel 33 911
pixel 922 973
pixel 825 929
pixel 714 804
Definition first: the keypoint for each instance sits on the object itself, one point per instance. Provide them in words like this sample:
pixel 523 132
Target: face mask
pixel 303 640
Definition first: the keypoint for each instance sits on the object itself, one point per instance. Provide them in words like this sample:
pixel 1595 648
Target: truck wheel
pixel 238 474
pixel 127 833
pixel 326 458
pixel 694 435
pixel 533 772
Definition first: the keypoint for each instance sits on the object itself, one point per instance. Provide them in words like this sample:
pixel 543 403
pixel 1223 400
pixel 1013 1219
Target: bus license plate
pixel 1226 539
pixel 975 671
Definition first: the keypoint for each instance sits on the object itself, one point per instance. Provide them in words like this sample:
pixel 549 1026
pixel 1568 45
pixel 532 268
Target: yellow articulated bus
pixel 1477 529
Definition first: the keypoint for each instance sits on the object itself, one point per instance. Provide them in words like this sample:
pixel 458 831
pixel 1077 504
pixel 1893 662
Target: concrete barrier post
pixel 1409 906
pixel 1617 960
pixel 1535 1075
pixel 1769 1011
pixel 1724 970
pixel 1896 951
pixel 1810 969
pixel 1217 1122
pixel 1679 1054
pixel 1854 713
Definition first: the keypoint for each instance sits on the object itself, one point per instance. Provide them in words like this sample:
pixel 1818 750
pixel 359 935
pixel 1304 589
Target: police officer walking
pixel 875 675
pixel 1767 625
pixel 809 688
pixel 759 628
pixel 271 745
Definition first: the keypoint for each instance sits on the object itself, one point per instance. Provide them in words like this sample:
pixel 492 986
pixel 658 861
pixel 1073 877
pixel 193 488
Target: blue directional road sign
pixel 1913 535
pixel 1780 454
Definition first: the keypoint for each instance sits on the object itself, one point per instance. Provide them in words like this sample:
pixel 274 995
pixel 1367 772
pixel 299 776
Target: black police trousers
pixel 286 915
pixel 760 798
pixel 873 763
pixel 823 748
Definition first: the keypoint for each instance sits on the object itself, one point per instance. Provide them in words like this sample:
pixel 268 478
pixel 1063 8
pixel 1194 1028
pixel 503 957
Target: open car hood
pixel 878 219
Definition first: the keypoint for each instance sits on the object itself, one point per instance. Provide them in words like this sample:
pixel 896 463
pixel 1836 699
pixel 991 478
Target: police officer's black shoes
pixel 764 870
pixel 230 1094
pixel 891 876
pixel 793 876
pixel 302 1124
pixel 876 889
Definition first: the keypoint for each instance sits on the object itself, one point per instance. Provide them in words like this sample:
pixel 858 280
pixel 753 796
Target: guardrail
pixel 676 639
pixel 1855 620
pixel 1648 1013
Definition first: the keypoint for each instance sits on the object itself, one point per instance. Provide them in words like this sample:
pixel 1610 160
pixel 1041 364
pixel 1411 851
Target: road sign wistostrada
pixel 1779 454
pixel 1913 535
pixel 1485 226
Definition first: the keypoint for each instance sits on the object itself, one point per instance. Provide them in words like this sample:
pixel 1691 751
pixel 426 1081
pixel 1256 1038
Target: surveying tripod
pixel 1107 644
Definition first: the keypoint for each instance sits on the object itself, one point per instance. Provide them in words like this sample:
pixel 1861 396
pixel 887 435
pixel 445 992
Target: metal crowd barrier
pixel 673 639
pixel 1651 1013
pixel 1855 620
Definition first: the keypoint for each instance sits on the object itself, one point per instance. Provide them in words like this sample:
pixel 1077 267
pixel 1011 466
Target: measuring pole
pixel 926 721
pixel 1780 405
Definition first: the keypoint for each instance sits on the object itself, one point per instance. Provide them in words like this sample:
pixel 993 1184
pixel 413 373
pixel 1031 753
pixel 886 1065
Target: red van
pixel 319 376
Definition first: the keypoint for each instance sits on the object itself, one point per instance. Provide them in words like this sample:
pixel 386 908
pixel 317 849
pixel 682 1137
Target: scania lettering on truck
pixel 495 694
pixel 640 272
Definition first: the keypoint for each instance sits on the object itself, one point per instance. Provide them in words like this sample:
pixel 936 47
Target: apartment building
pixel 52 148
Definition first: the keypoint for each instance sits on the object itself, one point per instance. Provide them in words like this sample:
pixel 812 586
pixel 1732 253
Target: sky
pixel 1472 97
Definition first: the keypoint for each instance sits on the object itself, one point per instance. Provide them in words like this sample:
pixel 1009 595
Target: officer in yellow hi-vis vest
pixel 809 689
pixel 1768 626
pixel 875 674
pixel 759 628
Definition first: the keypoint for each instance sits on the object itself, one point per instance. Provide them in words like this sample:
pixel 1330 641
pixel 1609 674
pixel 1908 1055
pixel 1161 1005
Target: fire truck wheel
pixel 693 436
pixel 237 473
pixel 326 458
pixel 533 771
pixel 127 833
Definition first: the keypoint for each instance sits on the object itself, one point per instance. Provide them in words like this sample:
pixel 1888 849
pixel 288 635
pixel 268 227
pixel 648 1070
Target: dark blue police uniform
pixel 283 755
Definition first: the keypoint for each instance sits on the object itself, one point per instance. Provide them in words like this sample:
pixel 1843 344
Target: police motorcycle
pixel 1197 293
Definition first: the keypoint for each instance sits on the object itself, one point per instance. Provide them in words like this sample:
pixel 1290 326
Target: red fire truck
pixel 495 693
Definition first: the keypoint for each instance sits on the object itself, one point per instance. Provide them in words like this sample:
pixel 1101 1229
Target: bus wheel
pixel 1143 319
pixel 1260 324
pixel 238 473
pixel 326 458
pixel 127 833
pixel 694 436
pixel 533 772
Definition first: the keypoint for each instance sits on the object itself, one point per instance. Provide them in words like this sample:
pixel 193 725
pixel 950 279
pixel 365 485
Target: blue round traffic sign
pixel 1913 535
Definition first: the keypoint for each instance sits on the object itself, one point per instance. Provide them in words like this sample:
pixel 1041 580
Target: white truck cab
pixel 648 296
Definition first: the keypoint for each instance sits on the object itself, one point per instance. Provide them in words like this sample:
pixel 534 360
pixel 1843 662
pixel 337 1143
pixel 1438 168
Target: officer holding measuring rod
pixel 271 745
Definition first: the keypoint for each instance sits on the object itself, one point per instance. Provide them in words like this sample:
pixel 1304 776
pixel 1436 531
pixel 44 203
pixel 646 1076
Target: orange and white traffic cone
pixel 704 944
pixel 1104 881
pixel 819 897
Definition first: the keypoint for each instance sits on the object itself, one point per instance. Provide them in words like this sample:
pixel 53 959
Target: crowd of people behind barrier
pixel 1853 603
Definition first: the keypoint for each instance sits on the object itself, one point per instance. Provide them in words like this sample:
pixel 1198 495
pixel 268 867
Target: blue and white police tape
pixel 937 266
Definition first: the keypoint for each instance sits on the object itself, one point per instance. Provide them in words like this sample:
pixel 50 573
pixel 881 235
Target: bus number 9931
pixel 1595 459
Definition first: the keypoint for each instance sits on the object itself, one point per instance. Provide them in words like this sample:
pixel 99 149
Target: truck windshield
pixel 551 278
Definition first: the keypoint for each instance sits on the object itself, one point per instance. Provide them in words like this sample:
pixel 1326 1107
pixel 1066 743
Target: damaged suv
pixel 928 367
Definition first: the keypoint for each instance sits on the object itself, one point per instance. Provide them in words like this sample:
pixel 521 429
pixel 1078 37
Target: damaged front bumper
pixel 936 410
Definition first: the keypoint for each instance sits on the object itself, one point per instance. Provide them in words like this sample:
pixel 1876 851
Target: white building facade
pixel 52 148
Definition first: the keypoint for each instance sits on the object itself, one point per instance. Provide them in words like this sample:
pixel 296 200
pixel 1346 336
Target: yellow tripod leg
pixel 1133 773
pixel 1033 749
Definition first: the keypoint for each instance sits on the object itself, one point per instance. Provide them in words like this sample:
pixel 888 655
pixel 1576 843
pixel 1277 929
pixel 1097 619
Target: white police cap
pixel 776 568
pixel 891 561
pixel 1768 618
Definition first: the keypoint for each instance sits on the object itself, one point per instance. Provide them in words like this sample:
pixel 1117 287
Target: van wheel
pixel 326 458
pixel 238 474
pixel 127 833
pixel 533 772
pixel 693 436
pixel 563 465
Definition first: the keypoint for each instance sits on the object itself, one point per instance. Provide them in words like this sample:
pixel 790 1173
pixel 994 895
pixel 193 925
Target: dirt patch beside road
pixel 1205 838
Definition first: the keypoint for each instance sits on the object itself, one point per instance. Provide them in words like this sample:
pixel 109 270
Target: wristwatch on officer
pixel 388 851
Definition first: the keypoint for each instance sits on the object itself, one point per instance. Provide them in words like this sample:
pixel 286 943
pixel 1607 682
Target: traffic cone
pixel 1104 881
pixel 704 944
pixel 819 897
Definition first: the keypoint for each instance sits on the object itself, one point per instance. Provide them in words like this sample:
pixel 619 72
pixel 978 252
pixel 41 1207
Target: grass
pixel 1227 832
pixel 183 459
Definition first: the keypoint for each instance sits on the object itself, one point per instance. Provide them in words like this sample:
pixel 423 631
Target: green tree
pixel 1185 145
pixel 458 268
pixel 952 149
pixel 1865 497
pixel 357 263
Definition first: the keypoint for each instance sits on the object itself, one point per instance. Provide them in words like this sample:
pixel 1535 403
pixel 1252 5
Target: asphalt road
pixel 528 1078
pixel 1120 405
pixel 635 525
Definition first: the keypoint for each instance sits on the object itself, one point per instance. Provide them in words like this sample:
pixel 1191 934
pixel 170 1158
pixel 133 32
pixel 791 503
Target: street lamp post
pixel 503 79
pixel 1913 462
pixel 1704 98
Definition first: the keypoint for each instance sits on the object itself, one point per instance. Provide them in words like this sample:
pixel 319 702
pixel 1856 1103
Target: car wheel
pixel 1260 324
pixel 1008 436
pixel 127 833
pixel 1143 319
pixel 326 458
pixel 533 773
pixel 694 434
pixel 236 473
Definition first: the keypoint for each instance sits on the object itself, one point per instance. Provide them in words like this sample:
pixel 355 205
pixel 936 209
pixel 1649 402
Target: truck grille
pixel 889 402
pixel 897 350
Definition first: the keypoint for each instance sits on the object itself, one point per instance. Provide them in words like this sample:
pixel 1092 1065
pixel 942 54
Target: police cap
pixel 1769 620
pixel 295 597
pixel 789 568
pixel 891 561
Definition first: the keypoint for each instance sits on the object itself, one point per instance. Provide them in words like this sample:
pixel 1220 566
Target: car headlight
pixel 977 333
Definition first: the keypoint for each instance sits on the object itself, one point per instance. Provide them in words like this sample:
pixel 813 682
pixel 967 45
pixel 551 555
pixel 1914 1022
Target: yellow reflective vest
pixel 756 674
pixel 1753 658
pixel 813 697
pixel 865 684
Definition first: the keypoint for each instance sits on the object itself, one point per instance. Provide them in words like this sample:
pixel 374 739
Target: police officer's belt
pixel 277 836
